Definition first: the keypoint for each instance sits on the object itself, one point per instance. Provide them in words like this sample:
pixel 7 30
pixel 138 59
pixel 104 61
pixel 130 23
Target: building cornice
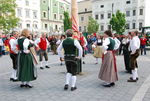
pixel 85 12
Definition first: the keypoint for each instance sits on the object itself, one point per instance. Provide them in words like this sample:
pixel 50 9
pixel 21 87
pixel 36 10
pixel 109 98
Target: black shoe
pixel 66 87
pixel 29 86
pixel 131 80
pixel 41 68
pixel 83 62
pixel 107 85
pixel 61 64
pixel 47 67
pixel 73 88
pixel 136 78
pixel 22 85
pixel 14 80
pixel 112 84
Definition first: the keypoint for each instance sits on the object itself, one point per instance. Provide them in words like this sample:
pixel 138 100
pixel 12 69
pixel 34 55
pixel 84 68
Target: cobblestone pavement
pixel 50 82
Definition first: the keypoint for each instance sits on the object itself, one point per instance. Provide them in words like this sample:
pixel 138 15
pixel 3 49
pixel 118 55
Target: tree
pixel 118 22
pixel 8 20
pixel 67 21
pixel 93 26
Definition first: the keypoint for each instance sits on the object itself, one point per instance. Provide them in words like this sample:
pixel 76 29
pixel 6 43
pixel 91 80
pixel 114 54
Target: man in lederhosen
pixel 135 49
pixel 13 54
pixel 70 46
pixel 42 44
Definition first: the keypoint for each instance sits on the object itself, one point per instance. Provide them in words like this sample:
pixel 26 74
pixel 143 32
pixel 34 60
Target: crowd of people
pixel 72 49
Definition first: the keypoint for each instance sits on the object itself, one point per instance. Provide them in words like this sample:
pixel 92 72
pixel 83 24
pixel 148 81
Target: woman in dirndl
pixel 98 51
pixel 108 70
pixel 26 69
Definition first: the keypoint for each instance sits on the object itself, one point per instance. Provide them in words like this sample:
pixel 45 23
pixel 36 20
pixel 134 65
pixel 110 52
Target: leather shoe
pixel 131 80
pixel 22 85
pixel 41 68
pixel 29 86
pixel 47 67
pixel 73 88
pixel 66 87
pixel 136 78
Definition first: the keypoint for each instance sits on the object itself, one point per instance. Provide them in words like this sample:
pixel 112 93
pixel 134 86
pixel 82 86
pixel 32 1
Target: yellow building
pixel 85 12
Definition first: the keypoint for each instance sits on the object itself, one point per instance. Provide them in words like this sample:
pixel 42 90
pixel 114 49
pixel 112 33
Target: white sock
pixel 133 75
pixel 68 76
pixel 73 81
pixel 41 64
pixel 46 63
pixel 15 74
pixel 136 73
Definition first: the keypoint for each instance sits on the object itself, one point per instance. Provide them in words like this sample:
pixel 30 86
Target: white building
pixel 28 11
pixel 136 11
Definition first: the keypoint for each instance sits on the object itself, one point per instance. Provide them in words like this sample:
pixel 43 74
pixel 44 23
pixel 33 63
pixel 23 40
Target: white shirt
pixel 117 43
pixel 13 45
pixel 1 42
pixel 106 42
pixel 134 44
pixel 37 41
pixel 76 43
pixel 125 41
pixel 25 45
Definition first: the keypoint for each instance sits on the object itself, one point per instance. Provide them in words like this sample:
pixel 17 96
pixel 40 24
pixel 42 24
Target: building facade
pixel 85 12
pixel 133 9
pixel 52 15
pixel 28 11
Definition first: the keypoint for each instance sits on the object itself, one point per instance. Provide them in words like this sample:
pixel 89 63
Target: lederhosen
pixel 133 61
pixel 70 54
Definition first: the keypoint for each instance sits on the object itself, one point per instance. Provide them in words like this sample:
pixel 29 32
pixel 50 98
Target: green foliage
pixel 118 22
pixel 93 26
pixel 7 15
pixel 67 21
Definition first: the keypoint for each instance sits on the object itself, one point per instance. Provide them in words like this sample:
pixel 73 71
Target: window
pixel 45 26
pixel 19 12
pixel 35 26
pixel 44 1
pixel 96 17
pixel 27 3
pixel 85 10
pixel 127 13
pixel 141 11
pixel 82 18
pixel 133 25
pixel 28 13
pixel 80 29
pixel 140 25
pixel 109 27
pixel 61 17
pixel 44 14
pixel 102 28
pixel 84 28
pixel 109 15
pixel 34 14
pixel 102 16
pixel 134 12
pixel 56 27
pixel 127 26
pixel 102 6
pixel 55 16
pixel 128 2
pixel 28 25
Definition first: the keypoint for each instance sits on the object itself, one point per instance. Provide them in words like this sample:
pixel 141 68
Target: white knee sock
pixel 73 81
pixel 68 76
pixel 46 63
pixel 133 75
pixel 15 74
pixel 136 73
pixel 96 60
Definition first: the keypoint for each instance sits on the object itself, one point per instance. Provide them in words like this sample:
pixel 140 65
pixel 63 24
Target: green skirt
pixel 26 69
